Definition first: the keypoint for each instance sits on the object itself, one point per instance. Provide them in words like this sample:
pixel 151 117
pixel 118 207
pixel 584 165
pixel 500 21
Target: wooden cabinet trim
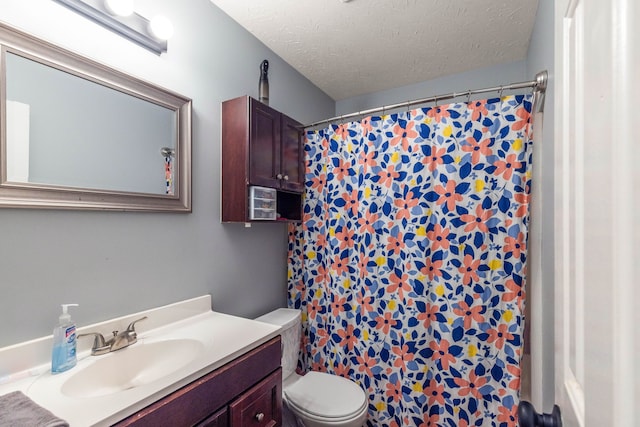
pixel 235 159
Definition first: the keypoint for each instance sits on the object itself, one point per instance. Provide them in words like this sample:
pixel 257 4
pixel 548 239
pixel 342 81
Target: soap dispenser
pixel 63 356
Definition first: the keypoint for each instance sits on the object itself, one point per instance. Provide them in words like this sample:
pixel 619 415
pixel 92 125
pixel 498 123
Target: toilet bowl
pixel 320 399
pixel 317 399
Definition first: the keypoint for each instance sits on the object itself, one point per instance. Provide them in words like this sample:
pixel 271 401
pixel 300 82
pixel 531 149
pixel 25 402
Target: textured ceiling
pixel 350 48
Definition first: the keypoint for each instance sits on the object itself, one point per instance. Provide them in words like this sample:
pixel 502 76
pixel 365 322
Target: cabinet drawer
pixel 262 203
pixel 260 406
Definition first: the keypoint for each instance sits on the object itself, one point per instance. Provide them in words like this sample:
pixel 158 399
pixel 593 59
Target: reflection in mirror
pixel 76 134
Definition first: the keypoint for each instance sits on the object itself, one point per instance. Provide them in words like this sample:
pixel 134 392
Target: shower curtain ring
pixel 501 90
pixel 468 96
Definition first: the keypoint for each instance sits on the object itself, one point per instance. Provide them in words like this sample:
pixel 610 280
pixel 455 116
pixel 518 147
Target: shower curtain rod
pixel 539 85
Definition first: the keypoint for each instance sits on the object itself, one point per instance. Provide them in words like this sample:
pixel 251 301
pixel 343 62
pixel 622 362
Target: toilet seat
pixel 325 421
pixel 326 397
pixel 321 418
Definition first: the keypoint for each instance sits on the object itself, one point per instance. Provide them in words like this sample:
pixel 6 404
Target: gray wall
pixel 483 77
pixel 115 263
pixel 541 57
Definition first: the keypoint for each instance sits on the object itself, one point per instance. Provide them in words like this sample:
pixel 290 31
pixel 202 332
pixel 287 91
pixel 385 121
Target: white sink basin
pixel 134 366
pixel 183 342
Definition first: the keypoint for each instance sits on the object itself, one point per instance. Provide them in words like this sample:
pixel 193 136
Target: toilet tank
pixel 289 320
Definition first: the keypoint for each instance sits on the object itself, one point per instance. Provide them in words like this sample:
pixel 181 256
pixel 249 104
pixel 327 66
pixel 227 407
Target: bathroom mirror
pixel 76 134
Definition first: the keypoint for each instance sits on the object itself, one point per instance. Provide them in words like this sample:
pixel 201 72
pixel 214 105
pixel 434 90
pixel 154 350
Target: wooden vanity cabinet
pixel 262 147
pixel 245 392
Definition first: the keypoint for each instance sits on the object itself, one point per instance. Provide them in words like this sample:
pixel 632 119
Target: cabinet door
pixel 219 419
pixel 264 146
pixel 292 155
pixel 260 406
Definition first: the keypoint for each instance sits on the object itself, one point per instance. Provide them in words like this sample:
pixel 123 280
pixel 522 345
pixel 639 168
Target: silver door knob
pixel 286 177
pixel 279 176
pixel 260 416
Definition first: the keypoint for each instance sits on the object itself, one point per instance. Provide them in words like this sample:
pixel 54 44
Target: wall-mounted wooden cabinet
pixel 260 147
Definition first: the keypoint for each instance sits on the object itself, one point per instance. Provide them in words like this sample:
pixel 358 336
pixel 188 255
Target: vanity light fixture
pixel 119 7
pixel 112 14
pixel 161 27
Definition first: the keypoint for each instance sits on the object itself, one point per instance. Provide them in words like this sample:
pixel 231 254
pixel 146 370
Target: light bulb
pixel 161 27
pixel 119 7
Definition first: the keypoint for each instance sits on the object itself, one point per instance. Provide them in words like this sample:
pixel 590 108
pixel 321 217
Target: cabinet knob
pixel 259 416
pixel 286 177
pixel 279 176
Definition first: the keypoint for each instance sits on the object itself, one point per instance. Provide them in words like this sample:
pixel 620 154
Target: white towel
pixel 18 410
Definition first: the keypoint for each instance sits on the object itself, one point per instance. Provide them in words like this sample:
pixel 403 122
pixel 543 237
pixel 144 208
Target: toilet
pixel 317 399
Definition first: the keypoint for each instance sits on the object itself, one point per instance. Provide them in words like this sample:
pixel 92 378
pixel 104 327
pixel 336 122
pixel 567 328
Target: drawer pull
pixel 259 416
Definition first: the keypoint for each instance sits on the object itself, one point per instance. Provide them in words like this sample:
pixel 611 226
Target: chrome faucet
pixel 116 342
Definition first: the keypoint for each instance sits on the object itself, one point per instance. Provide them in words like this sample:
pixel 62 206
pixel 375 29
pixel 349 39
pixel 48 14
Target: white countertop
pixel 224 338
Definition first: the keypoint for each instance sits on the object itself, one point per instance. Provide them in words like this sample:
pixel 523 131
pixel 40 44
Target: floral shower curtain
pixel 409 265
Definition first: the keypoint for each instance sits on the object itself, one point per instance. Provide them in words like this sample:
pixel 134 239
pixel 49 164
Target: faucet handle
pixel 131 327
pixel 130 332
pixel 99 344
